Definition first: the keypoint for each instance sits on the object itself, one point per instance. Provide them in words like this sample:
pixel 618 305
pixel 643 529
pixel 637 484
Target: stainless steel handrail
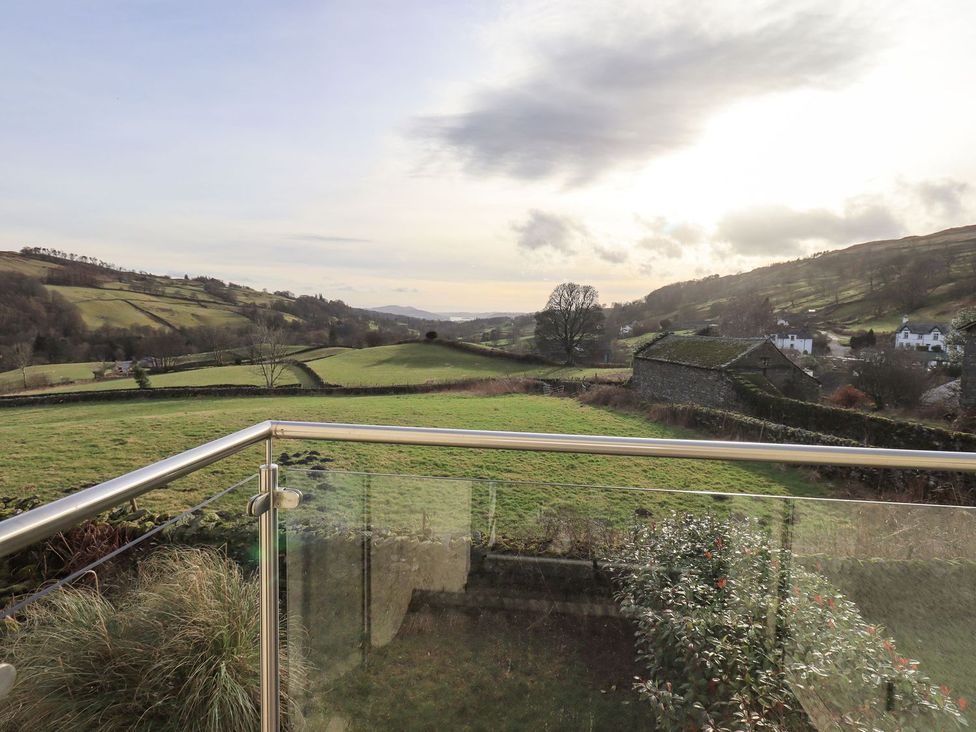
pixel 32 526
pixel 633 446
pixel 39 523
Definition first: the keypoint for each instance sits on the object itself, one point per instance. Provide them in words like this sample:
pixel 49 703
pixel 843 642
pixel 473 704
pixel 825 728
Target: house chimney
pixel 904 319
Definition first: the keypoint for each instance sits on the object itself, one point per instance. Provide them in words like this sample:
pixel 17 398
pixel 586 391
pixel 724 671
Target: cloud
pixel 331 239
pixel 664 246
pixel 542 230
pixel 668 239
pixel 943 198
pixel 688 234
pixel 595 102
pixel 607 254
pixel 763 231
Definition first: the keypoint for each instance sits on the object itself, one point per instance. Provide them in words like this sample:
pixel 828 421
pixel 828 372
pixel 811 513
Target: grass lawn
pixel 53 373
pixel 494 671
pixel 420 363
pixel 212 376
pixel 53 450
pixel 322 352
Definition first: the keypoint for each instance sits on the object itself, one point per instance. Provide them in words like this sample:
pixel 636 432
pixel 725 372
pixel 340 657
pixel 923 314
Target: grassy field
pixel 51 373
pixel 421 363
pixel 126 308
pixel 319 353
pixel 212 376
pixel 405 364
pixel 51 451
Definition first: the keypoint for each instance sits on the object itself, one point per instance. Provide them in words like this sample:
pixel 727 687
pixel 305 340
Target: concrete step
pixel 532 602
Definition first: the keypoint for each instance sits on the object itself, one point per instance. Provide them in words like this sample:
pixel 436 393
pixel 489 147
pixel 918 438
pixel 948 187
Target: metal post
pixel 367 549
pixel 268 576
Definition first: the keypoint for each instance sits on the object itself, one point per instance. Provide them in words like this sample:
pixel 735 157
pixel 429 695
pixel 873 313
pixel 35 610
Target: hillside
pixel 117 298
pixel 78 308
pixel 868 285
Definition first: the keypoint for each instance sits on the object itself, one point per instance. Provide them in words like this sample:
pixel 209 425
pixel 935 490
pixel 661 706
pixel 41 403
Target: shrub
pixel 616 397
pixel 140 376
pixel 178 651
pixel 733 634
pixel 849 397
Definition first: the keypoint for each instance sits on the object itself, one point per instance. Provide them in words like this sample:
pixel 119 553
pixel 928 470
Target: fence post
pixel 268 578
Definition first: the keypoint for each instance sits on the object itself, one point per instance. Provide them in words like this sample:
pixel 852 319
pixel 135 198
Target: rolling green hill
pixel 421 363
pixel 117 298
pixel 870 285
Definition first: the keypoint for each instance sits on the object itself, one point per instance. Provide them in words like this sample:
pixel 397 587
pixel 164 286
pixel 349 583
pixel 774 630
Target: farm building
pixel 967 395
pixel 703 370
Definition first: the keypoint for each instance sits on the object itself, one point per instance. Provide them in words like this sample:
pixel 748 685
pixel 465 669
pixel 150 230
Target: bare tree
pixel 268 351
pixel 747 315
pixel 163 348
pixel 219 342
pixel 21 355
pixel 890 376
pixel 571 325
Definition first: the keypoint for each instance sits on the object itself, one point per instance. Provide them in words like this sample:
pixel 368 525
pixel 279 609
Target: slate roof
pixel 922 328
pixel 785 335
pixel 707 352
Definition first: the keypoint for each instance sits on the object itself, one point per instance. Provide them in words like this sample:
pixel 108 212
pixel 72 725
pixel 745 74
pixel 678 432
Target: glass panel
pixel 145 622
pixel 427 603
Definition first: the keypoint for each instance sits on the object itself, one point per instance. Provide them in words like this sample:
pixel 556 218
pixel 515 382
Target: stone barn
pixel 967 394
pixel 701 370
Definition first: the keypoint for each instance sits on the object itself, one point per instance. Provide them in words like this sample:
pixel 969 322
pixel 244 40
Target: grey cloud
pixel 779 230
pixel 943 198
pixel 542 230
pixel 594 105
pixel 607 254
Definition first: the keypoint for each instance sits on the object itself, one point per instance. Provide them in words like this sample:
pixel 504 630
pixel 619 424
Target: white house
pixel 921 336
pixel 795 340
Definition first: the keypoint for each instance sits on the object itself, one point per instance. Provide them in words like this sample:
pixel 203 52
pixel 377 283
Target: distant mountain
pixel 407 311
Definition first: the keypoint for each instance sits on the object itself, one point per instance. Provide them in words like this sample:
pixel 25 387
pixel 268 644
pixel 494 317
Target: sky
pixel 470 156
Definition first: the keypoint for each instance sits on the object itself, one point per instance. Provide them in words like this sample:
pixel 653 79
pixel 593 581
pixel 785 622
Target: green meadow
pixel 50 451
pixel 420 363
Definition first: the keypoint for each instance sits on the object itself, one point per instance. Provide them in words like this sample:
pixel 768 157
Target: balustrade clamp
pixel 284 498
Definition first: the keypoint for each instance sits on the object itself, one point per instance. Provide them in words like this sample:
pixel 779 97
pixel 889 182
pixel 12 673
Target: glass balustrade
pixel 431 603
